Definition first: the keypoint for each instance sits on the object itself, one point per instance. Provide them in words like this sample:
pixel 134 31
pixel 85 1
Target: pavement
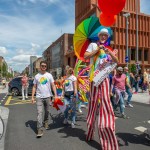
pixel 4 111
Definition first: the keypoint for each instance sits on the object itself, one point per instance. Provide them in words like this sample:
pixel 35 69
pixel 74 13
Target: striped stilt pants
pixel 106 118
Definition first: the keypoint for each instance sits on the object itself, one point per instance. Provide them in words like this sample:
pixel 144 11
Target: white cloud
pixel 21 58
pixel 22 30
pixel 25 31
pixel 3 51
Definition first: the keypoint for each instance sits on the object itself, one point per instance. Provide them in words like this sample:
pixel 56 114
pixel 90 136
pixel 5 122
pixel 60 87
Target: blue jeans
pixel 121 104
pixel 136 86
pixel 129 95
pixel 70 107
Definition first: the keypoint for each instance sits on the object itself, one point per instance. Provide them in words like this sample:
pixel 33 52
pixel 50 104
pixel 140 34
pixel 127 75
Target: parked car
pixel 15 86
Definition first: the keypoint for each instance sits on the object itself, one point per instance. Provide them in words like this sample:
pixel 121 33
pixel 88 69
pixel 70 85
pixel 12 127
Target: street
pixel 21 129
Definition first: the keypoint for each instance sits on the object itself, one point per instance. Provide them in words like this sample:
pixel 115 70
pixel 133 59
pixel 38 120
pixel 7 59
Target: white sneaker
pixel 129 105
pixel 79 110
pixel 83 106
pixel 65 121
pixel 23 99
pixel 72 125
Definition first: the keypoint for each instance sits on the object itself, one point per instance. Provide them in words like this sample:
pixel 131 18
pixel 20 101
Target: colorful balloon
pixel 107 20
pixel 111 7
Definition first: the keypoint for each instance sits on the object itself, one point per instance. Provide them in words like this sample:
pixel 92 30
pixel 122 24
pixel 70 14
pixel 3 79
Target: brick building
pixel 59 54
pixel 36 65
pixel 85 9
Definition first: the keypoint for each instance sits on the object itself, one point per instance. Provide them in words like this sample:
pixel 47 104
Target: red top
pixel 24 81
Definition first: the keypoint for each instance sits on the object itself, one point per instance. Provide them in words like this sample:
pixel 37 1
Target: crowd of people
pixel 103 99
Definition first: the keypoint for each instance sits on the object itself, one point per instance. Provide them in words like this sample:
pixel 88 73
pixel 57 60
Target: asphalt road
pixel 21 130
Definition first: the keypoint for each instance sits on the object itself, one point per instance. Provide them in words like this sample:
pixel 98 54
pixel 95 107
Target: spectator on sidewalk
pixel 43 82
pixel 128 88
pixel 132 80
pixel 25 85
pixel 145 81
pixel 137 80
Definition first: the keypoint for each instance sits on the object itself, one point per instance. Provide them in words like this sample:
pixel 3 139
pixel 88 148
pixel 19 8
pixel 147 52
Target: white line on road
pixel 148 121
pixel 140 128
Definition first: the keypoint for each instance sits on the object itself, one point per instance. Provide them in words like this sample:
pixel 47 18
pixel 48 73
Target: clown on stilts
pixel 99 103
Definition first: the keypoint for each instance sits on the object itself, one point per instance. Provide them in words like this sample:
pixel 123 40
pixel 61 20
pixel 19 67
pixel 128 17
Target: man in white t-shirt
pixel 100 98
pixel 43 82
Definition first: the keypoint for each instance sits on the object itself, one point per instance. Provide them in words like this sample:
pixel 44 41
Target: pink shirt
pixel 119 82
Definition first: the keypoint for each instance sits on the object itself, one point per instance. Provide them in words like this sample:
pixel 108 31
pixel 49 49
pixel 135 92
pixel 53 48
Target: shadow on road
pixel 133 138
pixel 80 133
pixel 32 124
pixel 57 120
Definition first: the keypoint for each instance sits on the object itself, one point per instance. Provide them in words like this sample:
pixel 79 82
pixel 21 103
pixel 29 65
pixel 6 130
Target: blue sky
pixel 28 27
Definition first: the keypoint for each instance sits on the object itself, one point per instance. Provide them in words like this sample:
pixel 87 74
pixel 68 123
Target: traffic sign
pixel 126 59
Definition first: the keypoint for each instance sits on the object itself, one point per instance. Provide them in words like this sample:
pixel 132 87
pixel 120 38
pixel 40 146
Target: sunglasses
pixel 43 66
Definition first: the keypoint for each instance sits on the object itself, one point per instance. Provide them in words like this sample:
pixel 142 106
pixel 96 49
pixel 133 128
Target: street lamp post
pixel 127 50
pixel 137 54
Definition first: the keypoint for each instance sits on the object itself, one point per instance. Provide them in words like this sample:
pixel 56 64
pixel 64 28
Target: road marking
pixel 148 121
pixel 8 100
pixel 140 128
pixel 11 101
pixel 23 102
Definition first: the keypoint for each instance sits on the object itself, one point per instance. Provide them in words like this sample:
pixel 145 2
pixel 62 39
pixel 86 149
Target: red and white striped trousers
pixel 106 118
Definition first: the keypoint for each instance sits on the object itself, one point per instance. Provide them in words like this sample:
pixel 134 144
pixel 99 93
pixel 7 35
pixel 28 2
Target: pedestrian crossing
pixel 141 128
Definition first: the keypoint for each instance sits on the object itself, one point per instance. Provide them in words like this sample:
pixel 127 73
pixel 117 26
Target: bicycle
pixel 2 127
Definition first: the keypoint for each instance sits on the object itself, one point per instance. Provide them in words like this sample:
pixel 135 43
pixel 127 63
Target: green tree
pixel 132 68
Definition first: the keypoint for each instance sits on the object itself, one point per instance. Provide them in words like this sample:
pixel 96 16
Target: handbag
pixel 68 94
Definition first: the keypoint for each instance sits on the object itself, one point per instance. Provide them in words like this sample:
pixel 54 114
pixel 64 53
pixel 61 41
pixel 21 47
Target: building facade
pixel 87 8
pixel 59 54
pixel 32 59
pixel 36 65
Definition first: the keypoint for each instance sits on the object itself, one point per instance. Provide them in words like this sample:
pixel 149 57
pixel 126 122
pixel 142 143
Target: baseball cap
pixel 104 31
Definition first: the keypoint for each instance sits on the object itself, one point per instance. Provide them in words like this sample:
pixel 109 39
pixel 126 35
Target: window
pixel 69 61
pixel 145 55
pixel 140 55
pixel 132 54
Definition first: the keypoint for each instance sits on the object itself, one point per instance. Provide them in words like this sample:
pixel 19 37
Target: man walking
pixel 43 82
pixel 118 84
